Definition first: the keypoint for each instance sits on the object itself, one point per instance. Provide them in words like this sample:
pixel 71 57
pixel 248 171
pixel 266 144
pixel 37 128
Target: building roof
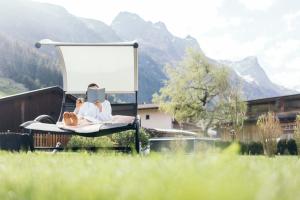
pixel 270 99
pixel 32 92
pixel 252 101
pixel 147 106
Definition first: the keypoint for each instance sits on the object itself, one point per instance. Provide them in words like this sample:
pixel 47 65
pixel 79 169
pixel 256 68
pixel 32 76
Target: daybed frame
pixel 45 123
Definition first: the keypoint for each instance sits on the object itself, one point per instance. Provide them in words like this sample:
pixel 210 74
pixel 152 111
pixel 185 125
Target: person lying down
pixel 87 112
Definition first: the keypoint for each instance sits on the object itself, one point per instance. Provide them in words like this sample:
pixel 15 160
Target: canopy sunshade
pixel 114 66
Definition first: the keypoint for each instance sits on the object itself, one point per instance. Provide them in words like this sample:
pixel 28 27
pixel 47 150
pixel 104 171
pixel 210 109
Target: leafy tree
pixel 199 91
pixel 233 109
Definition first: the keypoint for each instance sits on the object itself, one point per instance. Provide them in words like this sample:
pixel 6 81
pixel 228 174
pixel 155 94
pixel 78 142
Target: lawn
pixel 169 176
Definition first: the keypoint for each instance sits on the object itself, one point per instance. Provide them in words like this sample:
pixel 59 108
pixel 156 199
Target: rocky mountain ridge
pixel 25 22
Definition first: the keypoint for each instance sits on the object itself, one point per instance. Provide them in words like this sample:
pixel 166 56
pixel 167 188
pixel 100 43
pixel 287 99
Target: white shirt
pixel 92 113
pixel 106 113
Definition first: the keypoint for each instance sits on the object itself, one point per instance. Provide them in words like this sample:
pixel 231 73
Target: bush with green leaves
pixel 79 142
pixel 287 147
pixel 282 147
pixel 126 138
pixel 252 148
pixel 222 144
pixel 296 135
pixel 292 147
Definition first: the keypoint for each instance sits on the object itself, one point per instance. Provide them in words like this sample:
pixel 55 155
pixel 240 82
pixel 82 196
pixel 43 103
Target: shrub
pixel 296 135
pixel 126 138
pixel 252 148
pixel 222 144
pixel 270 130
pixel 244 148
pixel 292 147
pixel 255 148
pixel 282 146
pixel 79 142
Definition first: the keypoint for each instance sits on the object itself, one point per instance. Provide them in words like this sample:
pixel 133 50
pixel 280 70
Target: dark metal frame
pixel 134 126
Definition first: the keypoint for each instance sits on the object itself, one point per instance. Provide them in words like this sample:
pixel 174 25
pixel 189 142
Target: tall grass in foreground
pixel 111 176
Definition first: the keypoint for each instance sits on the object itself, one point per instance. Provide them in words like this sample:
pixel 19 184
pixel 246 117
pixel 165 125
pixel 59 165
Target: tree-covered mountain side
pixel 26 66
pixel 24 22
pixel 9 87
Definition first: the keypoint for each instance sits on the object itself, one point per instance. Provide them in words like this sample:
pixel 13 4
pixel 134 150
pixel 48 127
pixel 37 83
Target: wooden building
pixel 285 107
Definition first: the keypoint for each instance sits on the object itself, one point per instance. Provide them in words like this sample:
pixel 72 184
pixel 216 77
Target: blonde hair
pixel 80 100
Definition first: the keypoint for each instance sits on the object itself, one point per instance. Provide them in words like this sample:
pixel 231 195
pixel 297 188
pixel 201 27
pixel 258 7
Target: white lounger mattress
pixel 59 127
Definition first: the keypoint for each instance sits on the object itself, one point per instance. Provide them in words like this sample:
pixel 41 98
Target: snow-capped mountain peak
pixel 250 71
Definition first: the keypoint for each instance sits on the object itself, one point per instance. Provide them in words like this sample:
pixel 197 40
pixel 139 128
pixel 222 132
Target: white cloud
pixel 289 80
pixel 226 47
pixel 290 19
pixel 281 53
pixel 234 21
pixel 282 65
pixel 257 4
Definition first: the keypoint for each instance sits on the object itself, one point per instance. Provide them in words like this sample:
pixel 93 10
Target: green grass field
pixel 169 176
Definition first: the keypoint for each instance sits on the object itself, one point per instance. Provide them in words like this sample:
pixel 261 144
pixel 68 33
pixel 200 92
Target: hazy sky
pixel 225 29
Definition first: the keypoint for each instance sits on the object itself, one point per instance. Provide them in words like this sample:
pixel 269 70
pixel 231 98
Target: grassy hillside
pixel 2 94
pixel 9 87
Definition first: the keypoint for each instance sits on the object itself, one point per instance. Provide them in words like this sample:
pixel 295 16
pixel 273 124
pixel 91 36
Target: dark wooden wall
pixel 16 109
pixel 20 108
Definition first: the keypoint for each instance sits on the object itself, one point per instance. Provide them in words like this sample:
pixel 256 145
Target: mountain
pixel 103 30
pixel 8 87
pixel 256 83
pixel 30 21
pixel 23 22
pixel 26 66
pixel 155 39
